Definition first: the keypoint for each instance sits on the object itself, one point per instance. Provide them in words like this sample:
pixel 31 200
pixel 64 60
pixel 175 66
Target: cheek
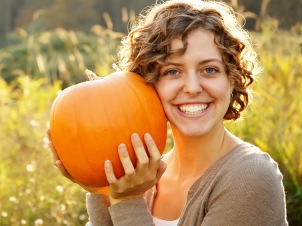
pixel 225 87
pixel 224 94
pixel 164 91
pixel 164 98
pixel 220 91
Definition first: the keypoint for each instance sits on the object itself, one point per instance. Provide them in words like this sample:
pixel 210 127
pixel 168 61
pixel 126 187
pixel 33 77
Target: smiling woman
pixel 198 91
pixel 201 63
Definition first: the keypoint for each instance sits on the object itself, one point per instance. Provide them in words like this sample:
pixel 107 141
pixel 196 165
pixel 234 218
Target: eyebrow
pixel 201 62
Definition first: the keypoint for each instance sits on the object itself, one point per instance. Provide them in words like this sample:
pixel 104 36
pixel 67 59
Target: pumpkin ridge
pixel 143 103
pixel 94 164
pixel 61 127
pixel 133 123
pixel 84 153
pixel 139 97
pixel 113 136
pixel 117 90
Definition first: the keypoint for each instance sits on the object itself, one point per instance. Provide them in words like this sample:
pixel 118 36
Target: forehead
pixel 177 43
pixel 199 35
pixel 200 42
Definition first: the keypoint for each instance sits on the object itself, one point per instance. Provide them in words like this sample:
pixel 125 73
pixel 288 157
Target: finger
pixel 51 146
pixel 125 160
pixel 63 171
pixel 154 153
pixel 161 169
pixel 111 178
pixel 139 149
pixel 48 134
pixel 55 156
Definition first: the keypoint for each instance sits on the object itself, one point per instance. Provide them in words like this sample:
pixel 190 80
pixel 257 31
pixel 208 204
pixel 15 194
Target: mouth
pixel 193 109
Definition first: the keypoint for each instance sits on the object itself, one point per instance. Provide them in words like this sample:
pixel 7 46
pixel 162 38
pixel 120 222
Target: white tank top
pixel 159 222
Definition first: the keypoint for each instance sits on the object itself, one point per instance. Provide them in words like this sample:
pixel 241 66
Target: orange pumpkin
pixel 90 119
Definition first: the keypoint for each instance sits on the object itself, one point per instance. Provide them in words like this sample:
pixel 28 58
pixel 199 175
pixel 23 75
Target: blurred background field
pixel 40 56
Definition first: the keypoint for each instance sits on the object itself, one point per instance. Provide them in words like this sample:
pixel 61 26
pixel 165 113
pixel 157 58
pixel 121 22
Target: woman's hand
pixel 136 181
pixel 57 162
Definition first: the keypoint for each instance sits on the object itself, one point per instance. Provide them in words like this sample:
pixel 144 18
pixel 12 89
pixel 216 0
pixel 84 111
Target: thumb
pixel 161 169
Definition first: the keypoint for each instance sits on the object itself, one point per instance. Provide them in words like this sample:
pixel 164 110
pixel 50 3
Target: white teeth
pixel 193 109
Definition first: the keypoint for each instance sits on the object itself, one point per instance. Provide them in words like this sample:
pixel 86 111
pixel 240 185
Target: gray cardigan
pixel 244 187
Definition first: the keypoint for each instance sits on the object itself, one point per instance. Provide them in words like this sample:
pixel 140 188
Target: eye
pixel 210 70
pixel 171 72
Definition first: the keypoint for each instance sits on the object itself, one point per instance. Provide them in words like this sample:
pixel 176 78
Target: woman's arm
pixel 97 207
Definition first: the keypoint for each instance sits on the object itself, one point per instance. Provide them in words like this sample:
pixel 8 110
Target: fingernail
pixel 121 146
pixel 147 136
pixel 135 135
pixel 58 162
pixel 122 149
pixel 107 163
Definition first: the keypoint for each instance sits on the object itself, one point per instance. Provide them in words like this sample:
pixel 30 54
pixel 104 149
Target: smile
pixel 193 109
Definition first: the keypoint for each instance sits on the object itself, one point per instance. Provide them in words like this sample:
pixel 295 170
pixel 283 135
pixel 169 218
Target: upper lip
pixel 192 103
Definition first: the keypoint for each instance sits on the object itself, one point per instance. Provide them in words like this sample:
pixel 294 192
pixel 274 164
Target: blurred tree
pixel 72 15
pixel 8 12
pixel 37 15
pixel 117 13
pixel 30 12
pixel 288 12
pixel 3 21
pixel 49 14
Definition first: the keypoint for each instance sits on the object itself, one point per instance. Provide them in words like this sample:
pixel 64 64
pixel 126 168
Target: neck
pixel 192 156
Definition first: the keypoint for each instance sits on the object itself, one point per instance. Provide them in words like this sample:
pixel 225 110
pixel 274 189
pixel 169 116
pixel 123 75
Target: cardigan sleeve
pixel 97 208
pixel 134 212
pixel 251 194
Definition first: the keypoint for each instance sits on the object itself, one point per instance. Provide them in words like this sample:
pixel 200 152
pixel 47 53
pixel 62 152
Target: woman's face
pixel 193 87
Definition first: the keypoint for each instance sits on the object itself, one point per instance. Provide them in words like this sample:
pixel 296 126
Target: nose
pixel 192 84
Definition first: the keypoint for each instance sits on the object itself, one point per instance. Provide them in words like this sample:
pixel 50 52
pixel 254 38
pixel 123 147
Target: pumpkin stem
pixel 91 75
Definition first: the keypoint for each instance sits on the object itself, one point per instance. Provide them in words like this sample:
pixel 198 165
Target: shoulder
pixel 249 162
pixel 249 184
pixel 251 171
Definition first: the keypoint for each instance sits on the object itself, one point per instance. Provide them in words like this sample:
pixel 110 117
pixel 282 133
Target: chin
pixel 192 133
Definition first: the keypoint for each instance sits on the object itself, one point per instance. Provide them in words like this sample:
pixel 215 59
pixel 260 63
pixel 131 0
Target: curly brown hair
pixel 147 45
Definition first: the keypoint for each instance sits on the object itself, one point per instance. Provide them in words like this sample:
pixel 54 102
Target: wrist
pixel 114 201
pixel 100 191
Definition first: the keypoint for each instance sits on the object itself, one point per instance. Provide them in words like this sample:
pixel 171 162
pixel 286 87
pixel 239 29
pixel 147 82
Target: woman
pixel 201 63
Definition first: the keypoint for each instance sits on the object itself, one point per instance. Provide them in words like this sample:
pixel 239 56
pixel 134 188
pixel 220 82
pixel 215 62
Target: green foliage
pixel 32 72
pixel 32 191
pixel 59 55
